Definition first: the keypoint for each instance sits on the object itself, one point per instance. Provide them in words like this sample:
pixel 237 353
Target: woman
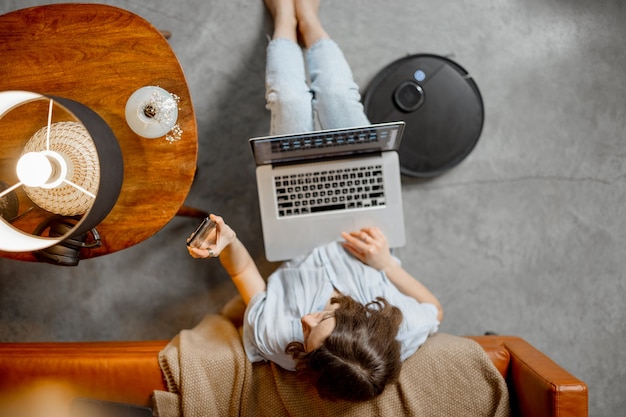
pixel 346 314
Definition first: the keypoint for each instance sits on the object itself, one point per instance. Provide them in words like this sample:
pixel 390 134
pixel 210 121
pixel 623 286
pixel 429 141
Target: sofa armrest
pixel 125 372
pixel 538 386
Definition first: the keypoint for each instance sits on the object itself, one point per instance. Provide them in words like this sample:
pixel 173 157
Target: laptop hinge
pixel 302 160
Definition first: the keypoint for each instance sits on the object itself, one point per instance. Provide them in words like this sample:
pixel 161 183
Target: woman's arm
pixel 370 246
pixel 235 259
pixel 410 286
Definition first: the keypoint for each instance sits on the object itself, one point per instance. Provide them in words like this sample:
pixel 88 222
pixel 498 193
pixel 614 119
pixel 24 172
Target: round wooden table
pixel 99 55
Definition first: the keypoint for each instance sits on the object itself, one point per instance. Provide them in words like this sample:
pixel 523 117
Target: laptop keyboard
pixel 338 189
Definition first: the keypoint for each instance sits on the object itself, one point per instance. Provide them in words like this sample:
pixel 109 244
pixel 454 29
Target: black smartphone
pixel 202 233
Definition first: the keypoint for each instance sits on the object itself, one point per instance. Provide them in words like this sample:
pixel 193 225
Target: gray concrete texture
pixel 525 237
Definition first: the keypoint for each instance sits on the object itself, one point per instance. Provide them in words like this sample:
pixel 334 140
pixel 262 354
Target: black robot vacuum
pixel 440 104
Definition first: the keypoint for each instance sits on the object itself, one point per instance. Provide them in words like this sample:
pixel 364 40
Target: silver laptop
pixel 314 185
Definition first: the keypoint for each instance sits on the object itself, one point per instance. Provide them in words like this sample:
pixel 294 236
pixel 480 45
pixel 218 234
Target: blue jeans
pixel 332 96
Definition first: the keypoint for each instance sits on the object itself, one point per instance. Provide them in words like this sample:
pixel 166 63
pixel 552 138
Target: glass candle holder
pixel 152 112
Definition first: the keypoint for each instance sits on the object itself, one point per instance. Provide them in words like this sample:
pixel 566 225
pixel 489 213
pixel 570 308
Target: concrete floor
pixel 525 237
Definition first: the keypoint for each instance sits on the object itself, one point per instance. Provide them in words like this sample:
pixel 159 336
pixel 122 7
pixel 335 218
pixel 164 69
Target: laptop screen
pixel 327 143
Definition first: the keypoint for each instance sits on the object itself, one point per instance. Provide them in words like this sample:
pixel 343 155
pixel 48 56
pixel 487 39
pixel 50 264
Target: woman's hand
pixel 234 258
pixel 370 246
pixel 224 237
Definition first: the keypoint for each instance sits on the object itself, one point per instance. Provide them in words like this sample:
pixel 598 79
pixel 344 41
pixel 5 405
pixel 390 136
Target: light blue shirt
pixel 304 285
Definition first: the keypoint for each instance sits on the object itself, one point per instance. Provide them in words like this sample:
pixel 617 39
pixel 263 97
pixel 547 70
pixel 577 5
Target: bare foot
pixel 309 24
pixel 284 15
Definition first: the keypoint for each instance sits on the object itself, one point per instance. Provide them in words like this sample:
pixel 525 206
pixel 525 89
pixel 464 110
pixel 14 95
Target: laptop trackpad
pixel 324 230
pixel 346 224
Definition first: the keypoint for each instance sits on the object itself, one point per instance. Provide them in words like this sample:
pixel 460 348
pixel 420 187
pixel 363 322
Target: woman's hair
pixel 360 356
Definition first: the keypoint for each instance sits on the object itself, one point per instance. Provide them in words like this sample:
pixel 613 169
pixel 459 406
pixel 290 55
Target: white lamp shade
pixel 11 99
pixel 107 153
pixel 12 239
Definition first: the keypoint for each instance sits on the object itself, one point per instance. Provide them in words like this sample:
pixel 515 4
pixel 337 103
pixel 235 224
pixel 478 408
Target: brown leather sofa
pixel 128 372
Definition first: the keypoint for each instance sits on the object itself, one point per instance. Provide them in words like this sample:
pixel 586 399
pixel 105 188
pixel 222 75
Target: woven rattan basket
pixel 72 141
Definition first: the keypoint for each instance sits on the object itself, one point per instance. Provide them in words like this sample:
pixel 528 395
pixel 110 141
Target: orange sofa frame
pixel 129 372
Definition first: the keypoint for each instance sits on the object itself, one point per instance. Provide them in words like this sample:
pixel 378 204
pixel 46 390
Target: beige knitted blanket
pixel 208 374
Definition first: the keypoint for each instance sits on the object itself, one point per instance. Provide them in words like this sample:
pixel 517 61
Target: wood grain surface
pixel 99 55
